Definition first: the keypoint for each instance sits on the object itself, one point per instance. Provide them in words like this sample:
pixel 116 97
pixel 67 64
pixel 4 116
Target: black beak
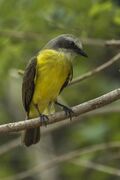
pixel 81 52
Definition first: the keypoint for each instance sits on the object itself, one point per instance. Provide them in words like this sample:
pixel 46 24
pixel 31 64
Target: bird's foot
pixel 68 112
pixel 44 119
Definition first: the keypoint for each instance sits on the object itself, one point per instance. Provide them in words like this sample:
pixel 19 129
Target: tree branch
pixel 35 36
pixel 98 167
pixel 17 142
pixel 96 70
pixel 100 42
pixel 60 116
pixel 113 43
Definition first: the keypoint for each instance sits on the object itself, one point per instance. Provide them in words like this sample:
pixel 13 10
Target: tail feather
pixel 31 136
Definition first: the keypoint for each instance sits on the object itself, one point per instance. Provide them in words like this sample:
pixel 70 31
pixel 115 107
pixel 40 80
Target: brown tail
pixel 31 136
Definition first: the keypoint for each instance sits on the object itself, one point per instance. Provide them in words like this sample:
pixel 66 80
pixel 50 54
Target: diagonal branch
pixel 60 116
pixel 96 70
pixel 98 167
pixel 45 131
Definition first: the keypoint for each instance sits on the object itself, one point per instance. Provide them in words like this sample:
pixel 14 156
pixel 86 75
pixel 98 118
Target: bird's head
pixel 66 43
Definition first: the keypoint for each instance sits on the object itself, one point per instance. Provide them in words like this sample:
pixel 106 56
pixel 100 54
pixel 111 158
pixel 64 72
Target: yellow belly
pixel 52 70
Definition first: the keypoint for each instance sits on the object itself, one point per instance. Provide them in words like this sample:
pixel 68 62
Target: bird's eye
pixel 72 43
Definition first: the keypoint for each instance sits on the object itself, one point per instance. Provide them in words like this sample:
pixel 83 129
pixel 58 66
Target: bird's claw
pixel 44 119
pixel 68 112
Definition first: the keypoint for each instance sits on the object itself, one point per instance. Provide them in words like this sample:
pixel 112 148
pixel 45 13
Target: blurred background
pixel 25 27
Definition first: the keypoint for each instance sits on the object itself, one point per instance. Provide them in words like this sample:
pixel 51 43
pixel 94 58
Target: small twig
pixel 113 43
pixel 96 70
pixel 93 42
pixel 60 116
pixel 98 167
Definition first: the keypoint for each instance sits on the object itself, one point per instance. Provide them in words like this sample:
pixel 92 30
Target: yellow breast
pixel 52 70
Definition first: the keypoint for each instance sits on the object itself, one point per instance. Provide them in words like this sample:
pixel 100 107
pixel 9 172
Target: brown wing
pixel 28 83
pixel 68 79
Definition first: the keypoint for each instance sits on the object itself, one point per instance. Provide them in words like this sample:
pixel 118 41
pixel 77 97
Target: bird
pixel 45 76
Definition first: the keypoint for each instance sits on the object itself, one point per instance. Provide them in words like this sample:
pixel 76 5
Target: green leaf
pixel 117 17
pixel 99 8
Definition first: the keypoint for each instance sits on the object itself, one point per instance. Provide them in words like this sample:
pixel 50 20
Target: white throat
pixel 69 54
